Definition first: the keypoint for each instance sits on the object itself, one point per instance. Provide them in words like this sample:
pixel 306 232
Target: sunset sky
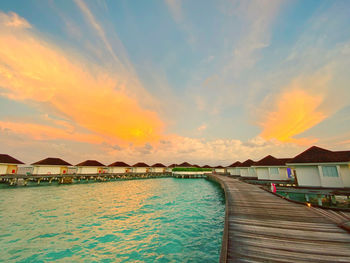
pixel 208 82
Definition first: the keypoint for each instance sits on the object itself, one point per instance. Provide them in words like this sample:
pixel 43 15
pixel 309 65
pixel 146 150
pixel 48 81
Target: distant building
pixel 271 168
pixel 72 170
pixel 246 169
pixel 317 167
pixel 158 168
pixel 25 170
pixel 119 167
pixel 170 167
pixel 219 169
pixel 140 168
pixel 8 164
pixel 91 167
pixel 184 165
pixel 51 166
pixel 233 168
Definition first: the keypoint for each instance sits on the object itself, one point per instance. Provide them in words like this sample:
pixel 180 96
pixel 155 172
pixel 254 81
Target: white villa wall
pixel 230 170
pixel 330 181
pixel 3 169
pixel 25 169
pixel 233 170
pixel 244 172
pixel 345 174
pixel 312 175
pixel 117 170
pixel 262 173
pixel 282 174
pixel 251 172
pixel 8 168
pixel 266 173
pixel 72 170
pixel 158 169
pixel 88 170
pixel 237 171
pixel 219 170
pixel 47 169
pixel 140 169
pixel 308 176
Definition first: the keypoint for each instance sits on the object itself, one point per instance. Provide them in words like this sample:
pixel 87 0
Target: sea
pixel 145 220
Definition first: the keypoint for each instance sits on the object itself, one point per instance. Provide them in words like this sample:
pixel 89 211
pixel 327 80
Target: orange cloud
pixel 296 112
pixel 202 128
pixel 45 132
pixel 32 69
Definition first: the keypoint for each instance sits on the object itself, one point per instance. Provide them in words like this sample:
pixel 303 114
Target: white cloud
pixel 13 20
pixel 175 7
pixel 201 128
pixel 177 12
pixel 201 151
pixel 257 18
pixel 98 28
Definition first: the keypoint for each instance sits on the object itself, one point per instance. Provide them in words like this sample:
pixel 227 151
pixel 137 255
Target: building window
pixel 274 170
pixel 330 171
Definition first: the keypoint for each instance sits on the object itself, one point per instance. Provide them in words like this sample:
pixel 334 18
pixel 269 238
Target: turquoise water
pixel 152 220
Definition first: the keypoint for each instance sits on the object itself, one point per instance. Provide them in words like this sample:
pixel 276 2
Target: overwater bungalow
pixel 8 164
pixel 219 169
pixel 51 166
pixel 246 169
pixel 158 168
pixel 184 165
pixel 318 167
pixel 25 170
pixel 72 170
pixel 208 167
pixel 170 167
pixel 271 168
pixel 233 168
pixel 140 168
pixel 119 167
pixel 91 167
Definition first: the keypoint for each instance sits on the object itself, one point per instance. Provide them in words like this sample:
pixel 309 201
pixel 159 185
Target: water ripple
pixel 155 220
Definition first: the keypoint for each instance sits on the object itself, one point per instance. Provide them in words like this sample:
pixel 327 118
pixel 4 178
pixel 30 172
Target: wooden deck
pixel 261 227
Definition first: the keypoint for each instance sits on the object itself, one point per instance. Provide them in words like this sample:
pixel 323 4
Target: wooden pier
pixel 189 176
pixel 21 179
pixel 261 227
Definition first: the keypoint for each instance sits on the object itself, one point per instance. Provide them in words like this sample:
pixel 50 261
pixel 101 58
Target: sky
pixel 208 82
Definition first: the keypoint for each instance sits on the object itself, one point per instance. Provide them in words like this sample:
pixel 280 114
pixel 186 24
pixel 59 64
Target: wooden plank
pixel 282 224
